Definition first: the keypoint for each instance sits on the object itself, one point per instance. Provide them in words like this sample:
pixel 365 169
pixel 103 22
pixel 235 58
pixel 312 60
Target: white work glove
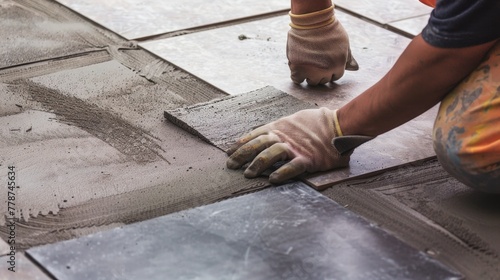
pixel 306 138
pixel 318 48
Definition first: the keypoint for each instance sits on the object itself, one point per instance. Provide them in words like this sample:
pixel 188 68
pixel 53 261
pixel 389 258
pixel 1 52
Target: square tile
pixel 135 19
pixel 385 11
pixel 286 232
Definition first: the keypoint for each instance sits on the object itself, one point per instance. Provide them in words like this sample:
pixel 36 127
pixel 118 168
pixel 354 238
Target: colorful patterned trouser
pixel 467 128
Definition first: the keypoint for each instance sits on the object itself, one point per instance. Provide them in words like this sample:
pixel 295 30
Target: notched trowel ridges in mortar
pixel 132 141
pixel 222 121
pixel 171 196
pixel 192 89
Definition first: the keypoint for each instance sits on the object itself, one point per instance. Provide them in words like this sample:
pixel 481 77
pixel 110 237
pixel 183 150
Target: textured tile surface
pixel 135 19
pixel 412 26
pixel 288 232
pixel 385 11
pixel 221 121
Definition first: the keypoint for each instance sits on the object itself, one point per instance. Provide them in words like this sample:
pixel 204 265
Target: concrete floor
pixel 81 107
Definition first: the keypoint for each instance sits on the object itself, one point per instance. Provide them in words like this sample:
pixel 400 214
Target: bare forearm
pixel 421 77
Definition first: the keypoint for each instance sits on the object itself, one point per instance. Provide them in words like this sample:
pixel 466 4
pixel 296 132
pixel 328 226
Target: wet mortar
pixel 89 141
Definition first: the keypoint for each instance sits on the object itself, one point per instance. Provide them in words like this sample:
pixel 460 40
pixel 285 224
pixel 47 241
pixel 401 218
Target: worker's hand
pixel 318 48
pixel 304 138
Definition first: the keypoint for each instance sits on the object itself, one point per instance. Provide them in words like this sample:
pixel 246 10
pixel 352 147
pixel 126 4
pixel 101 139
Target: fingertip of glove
pixel 275 178
pixel 232 164
pixel 231 150
pixel 296 81
pixel 351 64
pixel 249 173
pixel 351 67
pixel 318 82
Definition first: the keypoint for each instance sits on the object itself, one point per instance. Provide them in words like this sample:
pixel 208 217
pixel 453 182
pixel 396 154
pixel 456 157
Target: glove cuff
pixel 312 20
pixel 338 131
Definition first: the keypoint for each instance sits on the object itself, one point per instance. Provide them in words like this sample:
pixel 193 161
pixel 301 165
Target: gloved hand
pixel 306 138
pixel 318 48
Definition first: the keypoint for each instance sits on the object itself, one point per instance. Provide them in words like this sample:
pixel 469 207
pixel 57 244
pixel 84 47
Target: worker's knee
pixel 467 128
pixel 458 159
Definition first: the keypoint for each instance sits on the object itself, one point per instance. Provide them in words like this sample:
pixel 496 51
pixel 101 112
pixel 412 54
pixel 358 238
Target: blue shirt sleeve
pixel 463 23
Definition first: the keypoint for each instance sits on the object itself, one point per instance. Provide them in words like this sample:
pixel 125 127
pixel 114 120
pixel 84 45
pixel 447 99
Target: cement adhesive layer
pixel 433 212
pixel 38 30
pixel 92 150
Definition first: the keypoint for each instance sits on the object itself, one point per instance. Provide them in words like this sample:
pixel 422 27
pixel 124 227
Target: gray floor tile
pixel 411 26
pixel 385 11
pixel 135 19
pixel 289 232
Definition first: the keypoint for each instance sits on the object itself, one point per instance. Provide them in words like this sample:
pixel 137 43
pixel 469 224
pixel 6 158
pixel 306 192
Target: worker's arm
pixel 419 80
pixel 421 77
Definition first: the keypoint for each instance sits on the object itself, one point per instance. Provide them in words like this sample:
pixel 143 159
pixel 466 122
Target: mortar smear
pixel 39 30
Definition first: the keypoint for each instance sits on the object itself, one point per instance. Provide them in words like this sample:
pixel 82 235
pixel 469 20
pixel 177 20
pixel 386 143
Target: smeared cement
pixel 222 121
pixel 92 149
pixel 432 211
pixel 38 30
pixel 131 141
pixel 76 180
